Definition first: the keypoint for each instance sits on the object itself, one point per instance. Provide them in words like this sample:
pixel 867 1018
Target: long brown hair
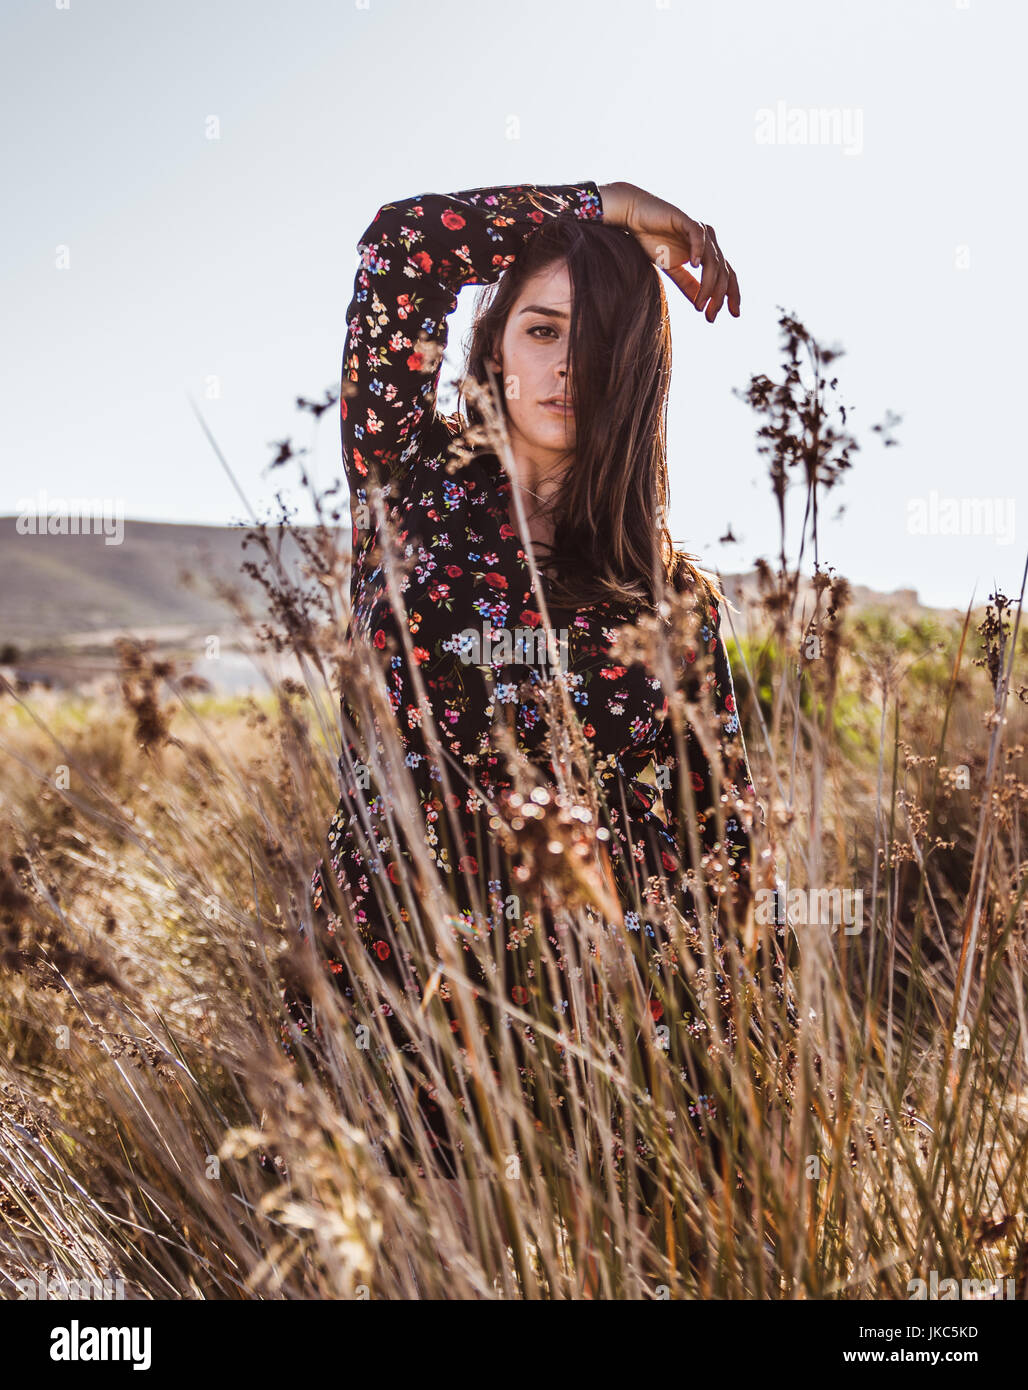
pixel 610 535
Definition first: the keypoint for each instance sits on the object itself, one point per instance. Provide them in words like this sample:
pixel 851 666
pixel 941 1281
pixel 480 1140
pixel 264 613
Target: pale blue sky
pixel 235 257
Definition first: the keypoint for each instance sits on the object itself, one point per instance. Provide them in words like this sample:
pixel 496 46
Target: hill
pixel 65 598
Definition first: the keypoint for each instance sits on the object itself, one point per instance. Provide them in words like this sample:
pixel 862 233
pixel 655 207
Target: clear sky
pixel 191 258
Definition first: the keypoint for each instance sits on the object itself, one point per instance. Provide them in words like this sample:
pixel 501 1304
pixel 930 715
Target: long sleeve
pixel 709 666
pixel 415 257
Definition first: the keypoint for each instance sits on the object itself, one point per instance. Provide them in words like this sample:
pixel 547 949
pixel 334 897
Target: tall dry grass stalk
pixel 825 1109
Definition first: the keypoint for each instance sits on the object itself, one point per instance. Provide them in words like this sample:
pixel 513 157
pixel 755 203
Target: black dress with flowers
pixel 464 566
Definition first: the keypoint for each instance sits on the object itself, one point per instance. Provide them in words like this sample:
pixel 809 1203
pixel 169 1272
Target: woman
pixel 577 335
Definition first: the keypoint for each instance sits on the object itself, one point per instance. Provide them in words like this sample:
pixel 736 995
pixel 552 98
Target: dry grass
pixel 858 1129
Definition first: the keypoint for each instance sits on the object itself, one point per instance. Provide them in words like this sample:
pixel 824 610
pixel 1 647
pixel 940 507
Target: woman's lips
pixel 558 406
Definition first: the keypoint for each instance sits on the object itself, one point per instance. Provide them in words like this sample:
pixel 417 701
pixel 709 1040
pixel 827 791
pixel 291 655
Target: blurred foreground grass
pixel 861 1125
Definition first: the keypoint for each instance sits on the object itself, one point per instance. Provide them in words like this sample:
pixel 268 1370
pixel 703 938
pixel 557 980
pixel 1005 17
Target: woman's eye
pixel 543 328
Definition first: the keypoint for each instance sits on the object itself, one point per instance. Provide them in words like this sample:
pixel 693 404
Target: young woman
pixel 575 333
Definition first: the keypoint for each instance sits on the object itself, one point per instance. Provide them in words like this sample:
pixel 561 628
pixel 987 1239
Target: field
pixel 857 1121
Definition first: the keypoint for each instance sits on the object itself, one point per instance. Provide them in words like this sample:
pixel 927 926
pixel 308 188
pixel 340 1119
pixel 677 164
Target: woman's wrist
pixel 614 201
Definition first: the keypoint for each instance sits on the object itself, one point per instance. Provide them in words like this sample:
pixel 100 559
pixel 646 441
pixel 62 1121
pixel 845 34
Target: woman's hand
pixel 672 239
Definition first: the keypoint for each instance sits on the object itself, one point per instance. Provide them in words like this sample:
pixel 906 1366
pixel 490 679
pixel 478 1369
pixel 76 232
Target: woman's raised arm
pixel 416 256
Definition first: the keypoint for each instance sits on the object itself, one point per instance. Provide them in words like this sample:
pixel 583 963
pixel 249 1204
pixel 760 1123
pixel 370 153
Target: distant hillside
pixel 743 590
pixel 56 586
pixel 64 600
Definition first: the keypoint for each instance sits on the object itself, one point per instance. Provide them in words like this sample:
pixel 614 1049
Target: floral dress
pixel 465 566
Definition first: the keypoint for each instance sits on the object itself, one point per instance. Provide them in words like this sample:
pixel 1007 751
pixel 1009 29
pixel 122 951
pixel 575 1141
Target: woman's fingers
pixel 728 288
pixel 717 294
pixel 734 297
pixel 666 232
pixel 713 266
pixel 725 286
pixel 723 279
pixel 693 235
pixel 687 283
pixel 718 283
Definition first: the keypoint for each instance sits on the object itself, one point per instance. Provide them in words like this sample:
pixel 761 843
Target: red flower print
pixel 690 655
pixel 588 730
pixel 391 871
pixel 422 260
pixel 669 861
pixel 697 782
pixel 613 673
pixel 468 864
pixel 656 1009
pixel 416 362
pixel 382 950
pixel 452 220
pixel 531 617
pixel 507 531
pixel 496 580
pixel 421 656
pixel 536 215
pixel 730 703
pixel 454 571
pixel 519 994
pixel 379 639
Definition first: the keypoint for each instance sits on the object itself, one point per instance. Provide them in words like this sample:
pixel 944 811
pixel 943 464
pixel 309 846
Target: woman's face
pixel 534 367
